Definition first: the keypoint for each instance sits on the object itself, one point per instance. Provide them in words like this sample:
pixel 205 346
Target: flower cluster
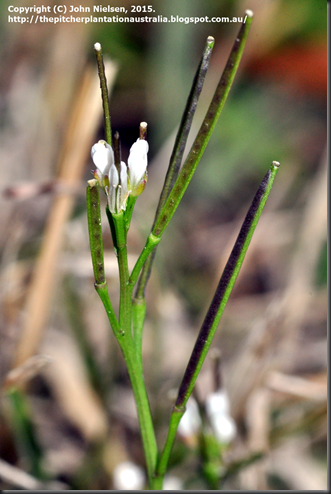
pixel 119 180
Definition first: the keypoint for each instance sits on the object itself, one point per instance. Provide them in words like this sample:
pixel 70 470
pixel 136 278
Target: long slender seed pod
pixel 213 316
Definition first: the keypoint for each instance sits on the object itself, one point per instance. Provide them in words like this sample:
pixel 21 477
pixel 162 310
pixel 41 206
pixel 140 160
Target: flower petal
pixel 103 156
pixel 137 162
pixel 113 183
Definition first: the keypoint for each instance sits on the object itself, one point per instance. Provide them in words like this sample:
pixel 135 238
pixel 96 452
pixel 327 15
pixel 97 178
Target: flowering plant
pixel 123 184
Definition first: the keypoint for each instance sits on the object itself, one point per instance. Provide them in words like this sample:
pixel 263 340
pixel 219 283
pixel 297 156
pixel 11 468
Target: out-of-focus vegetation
pixel 76 414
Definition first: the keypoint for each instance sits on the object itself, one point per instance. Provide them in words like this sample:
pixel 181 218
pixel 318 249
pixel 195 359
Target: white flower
pixel 224 428
pixel 132 180
pixel 137 164
pixel 217 406
pixel 218 402
pixel 218 411
pixel 103 158
pixel 118 189
pixel 128 476
pixel 107 175
pixel 190 422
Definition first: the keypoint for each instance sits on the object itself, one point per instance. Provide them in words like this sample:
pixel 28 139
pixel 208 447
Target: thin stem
pixel 96 247
pixel 178 151
pixel 138 318
pixel 122 258
pixel 102 291
pixel 215 311
pixel 143 408
pixel 129 349
pixel 206 129
pixel 104 91
pixel 164 458
pixel 151 243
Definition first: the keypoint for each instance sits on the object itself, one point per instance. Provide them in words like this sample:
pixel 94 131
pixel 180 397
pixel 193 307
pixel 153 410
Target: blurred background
pixel 74 420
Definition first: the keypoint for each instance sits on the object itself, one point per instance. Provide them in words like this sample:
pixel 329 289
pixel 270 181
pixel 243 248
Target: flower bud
pixel 137 164
pixel 103 158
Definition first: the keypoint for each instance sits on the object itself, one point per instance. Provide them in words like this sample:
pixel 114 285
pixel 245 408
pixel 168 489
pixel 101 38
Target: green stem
pixel 206 129
pixel 102 291
pixel 143 408
pixel 151 243
pixel 132 350
pixel 138 318
pixel 104 91
pixel 133 364
pixel 96 248
pixel 122 258
pixel 215 312
pixel 164 458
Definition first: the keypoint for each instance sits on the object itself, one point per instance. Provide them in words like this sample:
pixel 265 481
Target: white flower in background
pixel 172 483
pixel 190 422
pixel 103 158
pixel 218 402
pixel 218 411
pixel 224 428
pixel 217 407
pixel 128 477
pixel 137 164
